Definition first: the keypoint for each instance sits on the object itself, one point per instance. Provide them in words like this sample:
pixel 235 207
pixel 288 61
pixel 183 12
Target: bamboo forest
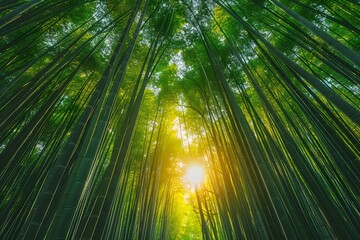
pixel 180 119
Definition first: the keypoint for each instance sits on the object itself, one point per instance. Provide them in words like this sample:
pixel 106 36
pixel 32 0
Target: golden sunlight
pixel 195 175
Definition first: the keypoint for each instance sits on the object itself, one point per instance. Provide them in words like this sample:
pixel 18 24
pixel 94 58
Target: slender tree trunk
pixel 341 48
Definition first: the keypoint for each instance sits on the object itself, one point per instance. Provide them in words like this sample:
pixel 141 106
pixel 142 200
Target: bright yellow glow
pixel 195 175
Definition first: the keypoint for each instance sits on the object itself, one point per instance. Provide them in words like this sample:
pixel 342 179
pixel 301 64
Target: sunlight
pixel 195 175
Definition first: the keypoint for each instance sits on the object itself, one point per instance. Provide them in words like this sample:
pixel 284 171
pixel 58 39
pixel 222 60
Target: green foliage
pixel 103 105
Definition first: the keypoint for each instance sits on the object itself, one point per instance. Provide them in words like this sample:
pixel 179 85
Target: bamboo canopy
pixel 105 104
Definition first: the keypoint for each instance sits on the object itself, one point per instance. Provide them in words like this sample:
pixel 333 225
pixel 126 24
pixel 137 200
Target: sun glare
pixel 195 175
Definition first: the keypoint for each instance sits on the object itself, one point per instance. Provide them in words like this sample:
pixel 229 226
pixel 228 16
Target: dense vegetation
pixel 103 104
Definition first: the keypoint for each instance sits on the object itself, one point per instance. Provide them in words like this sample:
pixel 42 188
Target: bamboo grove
pixel 103 103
